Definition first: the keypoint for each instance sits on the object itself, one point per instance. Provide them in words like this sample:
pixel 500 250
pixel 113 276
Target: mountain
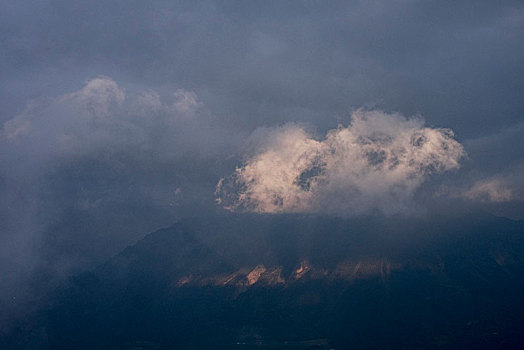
pixel 247 281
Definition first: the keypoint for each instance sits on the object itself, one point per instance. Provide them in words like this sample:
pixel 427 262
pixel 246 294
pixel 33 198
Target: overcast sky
pixel 117 117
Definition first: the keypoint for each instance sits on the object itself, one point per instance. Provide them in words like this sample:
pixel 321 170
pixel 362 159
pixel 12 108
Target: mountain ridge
pixel 261 281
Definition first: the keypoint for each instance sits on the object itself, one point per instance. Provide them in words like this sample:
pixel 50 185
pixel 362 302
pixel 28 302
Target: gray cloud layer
pixel 255 64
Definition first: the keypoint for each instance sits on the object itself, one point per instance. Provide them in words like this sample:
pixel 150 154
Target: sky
pixel 118 117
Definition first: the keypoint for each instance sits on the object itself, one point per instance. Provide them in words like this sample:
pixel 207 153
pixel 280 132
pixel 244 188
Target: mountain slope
pixel 293 281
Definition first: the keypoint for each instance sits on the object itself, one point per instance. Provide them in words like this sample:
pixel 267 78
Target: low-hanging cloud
pixel 492 190
pixel 154 143
pixel 376 163
pixel 97 167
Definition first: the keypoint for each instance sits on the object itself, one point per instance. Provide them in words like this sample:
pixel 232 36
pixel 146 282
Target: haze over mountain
pixel 295 281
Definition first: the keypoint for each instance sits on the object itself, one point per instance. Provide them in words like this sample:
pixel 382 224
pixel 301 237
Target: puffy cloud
pixel 375 163
pixel 186 101
pixel 493 190
pixel 102 116
pixel 98 95
pixel 488 189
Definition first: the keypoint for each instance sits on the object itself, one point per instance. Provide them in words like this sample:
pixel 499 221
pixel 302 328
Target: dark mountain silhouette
pixel 303 282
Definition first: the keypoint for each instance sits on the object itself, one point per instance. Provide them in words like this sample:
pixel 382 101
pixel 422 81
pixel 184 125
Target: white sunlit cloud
pixel 376 163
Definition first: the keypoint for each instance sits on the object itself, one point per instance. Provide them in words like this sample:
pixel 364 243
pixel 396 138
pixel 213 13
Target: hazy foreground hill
pixel 303 282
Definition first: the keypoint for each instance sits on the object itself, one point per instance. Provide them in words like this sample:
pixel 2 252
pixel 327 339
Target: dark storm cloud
pixel 455 63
